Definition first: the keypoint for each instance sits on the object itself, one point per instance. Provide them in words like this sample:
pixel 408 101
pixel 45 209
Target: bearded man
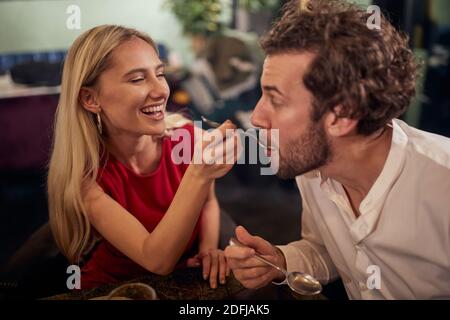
pixel 375 191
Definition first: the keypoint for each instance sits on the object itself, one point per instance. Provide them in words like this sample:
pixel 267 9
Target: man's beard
pixel 305 153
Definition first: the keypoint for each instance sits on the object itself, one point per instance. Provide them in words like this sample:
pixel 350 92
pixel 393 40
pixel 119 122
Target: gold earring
pixel 99 124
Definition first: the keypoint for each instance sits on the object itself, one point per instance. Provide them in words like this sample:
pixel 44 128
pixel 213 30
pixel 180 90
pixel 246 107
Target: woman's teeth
pixel 152 109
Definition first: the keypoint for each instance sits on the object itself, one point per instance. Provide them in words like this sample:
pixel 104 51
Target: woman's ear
pixel 337 126
pixel 89 99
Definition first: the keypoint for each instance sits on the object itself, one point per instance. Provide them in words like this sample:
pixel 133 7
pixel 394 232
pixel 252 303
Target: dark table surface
pixel 188 284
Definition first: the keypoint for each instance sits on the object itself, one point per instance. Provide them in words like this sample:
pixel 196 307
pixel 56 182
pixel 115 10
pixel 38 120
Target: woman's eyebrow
pixel 160 66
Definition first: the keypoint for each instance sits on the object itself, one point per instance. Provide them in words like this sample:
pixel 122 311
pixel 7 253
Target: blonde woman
pixel 118 203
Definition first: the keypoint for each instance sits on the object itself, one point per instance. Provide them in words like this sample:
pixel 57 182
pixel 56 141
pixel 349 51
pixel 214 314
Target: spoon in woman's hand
pixel 214 124
pixel 299 282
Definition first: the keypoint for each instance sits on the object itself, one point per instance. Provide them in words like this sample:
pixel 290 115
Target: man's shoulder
pixel 427 146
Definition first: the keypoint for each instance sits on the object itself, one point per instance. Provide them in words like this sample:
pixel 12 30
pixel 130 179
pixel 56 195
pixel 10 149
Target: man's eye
pixel 136 80
pixel 161 75
pixel 276 102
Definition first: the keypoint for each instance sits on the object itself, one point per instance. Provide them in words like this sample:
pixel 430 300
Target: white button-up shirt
pixel 399 247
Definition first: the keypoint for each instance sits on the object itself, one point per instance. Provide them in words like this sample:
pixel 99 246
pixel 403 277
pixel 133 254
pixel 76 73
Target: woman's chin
pixel 157 130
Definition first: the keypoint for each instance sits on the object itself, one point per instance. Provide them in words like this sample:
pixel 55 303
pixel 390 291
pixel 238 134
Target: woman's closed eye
pixel 137 79
pixel 142 78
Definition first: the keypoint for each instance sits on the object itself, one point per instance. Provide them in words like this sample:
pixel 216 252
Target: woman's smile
pixel 155 112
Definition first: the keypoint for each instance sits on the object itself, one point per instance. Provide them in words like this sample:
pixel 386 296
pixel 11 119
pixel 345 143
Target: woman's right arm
pixel 160 250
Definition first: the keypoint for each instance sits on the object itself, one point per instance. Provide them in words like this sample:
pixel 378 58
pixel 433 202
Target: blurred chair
pixel 228 68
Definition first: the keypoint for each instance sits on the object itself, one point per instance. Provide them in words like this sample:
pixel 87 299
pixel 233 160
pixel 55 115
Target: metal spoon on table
pixel 299 282
pixel 214 124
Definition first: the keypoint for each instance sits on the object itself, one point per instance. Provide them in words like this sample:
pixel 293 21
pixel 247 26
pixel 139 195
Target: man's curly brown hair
pixel 371 74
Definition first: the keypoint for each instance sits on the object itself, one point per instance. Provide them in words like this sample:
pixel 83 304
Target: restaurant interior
pixel 197 49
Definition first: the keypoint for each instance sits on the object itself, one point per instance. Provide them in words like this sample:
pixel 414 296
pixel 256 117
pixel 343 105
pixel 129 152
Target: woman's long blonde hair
pixel 77 143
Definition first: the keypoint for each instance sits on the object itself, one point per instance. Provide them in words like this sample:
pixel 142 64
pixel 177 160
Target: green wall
pixel 41 25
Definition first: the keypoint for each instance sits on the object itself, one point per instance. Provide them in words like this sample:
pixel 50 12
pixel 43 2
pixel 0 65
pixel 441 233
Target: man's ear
pixel 337 126
pixel 89 99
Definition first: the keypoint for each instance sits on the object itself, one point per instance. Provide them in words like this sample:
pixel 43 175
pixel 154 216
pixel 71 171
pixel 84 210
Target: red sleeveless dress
pixel 145 197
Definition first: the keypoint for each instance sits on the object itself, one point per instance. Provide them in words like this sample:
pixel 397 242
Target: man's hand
pixel 214 266
pixel 252 273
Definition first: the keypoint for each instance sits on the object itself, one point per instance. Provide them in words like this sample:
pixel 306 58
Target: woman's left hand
pixel 214 265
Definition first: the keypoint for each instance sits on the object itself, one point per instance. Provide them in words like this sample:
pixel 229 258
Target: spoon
pixel 299 282
pixel 214 124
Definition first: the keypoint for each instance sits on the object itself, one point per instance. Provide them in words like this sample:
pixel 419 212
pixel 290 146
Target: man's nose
pixel 259 118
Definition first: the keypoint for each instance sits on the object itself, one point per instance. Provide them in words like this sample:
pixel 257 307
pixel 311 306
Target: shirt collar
pixel 391 170
pixel 389 174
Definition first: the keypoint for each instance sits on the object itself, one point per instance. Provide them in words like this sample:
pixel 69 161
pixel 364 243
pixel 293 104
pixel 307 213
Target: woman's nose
pixel 159 88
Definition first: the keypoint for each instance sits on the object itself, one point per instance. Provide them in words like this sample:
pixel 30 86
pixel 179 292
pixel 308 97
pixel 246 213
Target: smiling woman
pixel 118 204
pixel 133 81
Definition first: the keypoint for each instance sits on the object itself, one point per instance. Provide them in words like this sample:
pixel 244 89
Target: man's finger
pixel 256 283
pixel 250 274
pixel 257 243
pixel 235 252
pixel 245 263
